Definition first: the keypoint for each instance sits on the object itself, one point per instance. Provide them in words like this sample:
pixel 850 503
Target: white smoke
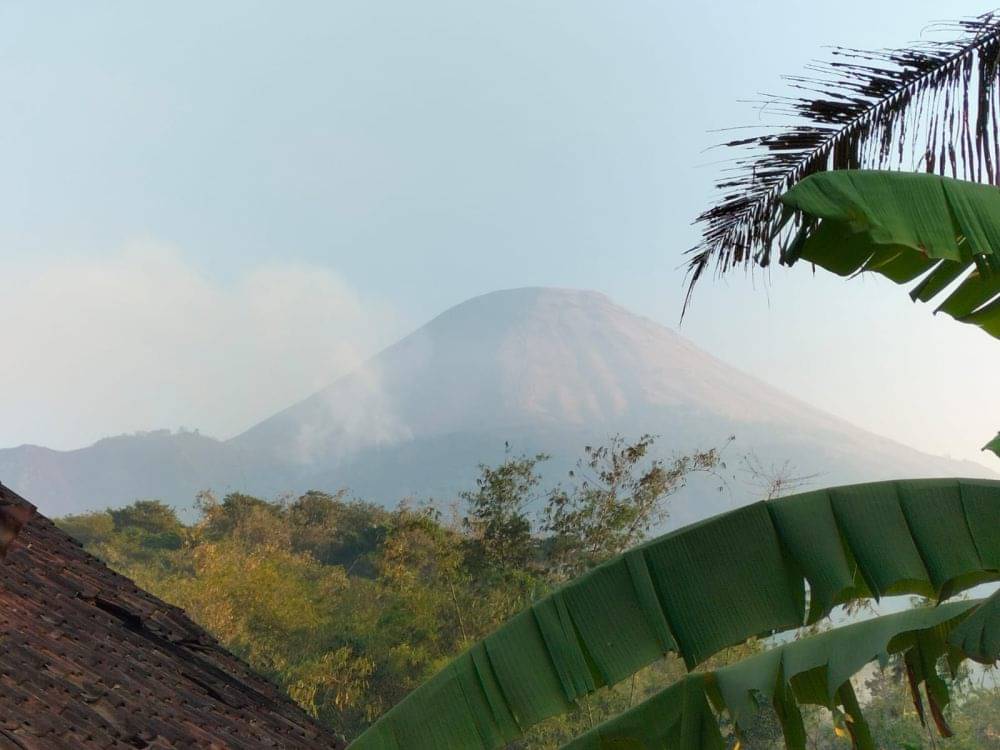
pixel 357 415
pixel 143 339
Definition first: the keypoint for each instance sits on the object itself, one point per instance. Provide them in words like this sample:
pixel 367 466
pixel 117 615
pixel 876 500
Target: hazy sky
pixel 210 209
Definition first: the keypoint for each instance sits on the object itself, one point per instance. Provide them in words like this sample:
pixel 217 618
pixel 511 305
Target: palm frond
pixel 812 671
pixel 698 590
pixel 931 107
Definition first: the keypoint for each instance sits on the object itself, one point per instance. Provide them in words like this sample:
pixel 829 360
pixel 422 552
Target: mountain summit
pixel 541 369
pixel 549 358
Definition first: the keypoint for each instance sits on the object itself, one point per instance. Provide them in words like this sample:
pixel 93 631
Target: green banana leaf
pixel 698 590
pixel 993 446
pixel 979 635
pixel 943 234
pixel 814 670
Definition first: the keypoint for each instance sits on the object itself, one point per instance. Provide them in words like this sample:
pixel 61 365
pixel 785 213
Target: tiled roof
pixel 89 660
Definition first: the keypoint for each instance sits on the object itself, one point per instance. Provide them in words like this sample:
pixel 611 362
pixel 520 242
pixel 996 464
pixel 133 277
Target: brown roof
pixel 88 660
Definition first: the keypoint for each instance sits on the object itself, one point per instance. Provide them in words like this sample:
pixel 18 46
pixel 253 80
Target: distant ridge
pixel 543 369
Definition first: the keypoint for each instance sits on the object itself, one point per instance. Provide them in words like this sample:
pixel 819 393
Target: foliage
pixel 931 107
pixel 157 522
pixel 497 523
pixel 349 606
pixel 151 516
pixel 815 670
pixel 935 231
pixel 933 104
pixel 938 234
pixel 993 446
pixel 89 529
pixel 698 590
pixel 614 502
pixel 337 533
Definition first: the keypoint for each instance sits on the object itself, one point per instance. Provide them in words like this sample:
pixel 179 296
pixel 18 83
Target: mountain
pixel 541 369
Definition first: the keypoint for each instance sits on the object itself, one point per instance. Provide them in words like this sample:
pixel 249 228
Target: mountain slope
pixel 538 357
pixel 543 369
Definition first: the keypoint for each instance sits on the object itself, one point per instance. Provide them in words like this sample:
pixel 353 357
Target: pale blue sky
pixel 409 155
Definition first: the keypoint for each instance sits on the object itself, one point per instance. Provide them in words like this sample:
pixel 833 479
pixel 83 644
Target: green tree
pixel 497 520
pixel 90 529
pixel 250 519
pixel 152 516
pixel 619 494
pixel 337 532
pixel 153 523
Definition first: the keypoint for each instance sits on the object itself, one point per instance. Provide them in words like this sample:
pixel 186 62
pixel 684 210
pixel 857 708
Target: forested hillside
pixel 348 606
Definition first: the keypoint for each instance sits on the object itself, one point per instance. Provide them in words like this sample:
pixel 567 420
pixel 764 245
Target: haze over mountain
pixel 541 369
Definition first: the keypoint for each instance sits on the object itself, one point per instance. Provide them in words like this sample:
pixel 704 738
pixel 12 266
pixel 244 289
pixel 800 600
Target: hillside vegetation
pixel 349 606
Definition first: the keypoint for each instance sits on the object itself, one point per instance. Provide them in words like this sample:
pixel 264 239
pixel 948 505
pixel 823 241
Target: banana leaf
pixel 939 234
pixel 814 670
pixel 698 590
pixel 993 446
pixel 979 635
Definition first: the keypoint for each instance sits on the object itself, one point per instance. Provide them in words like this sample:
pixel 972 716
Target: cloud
pixel 143 340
